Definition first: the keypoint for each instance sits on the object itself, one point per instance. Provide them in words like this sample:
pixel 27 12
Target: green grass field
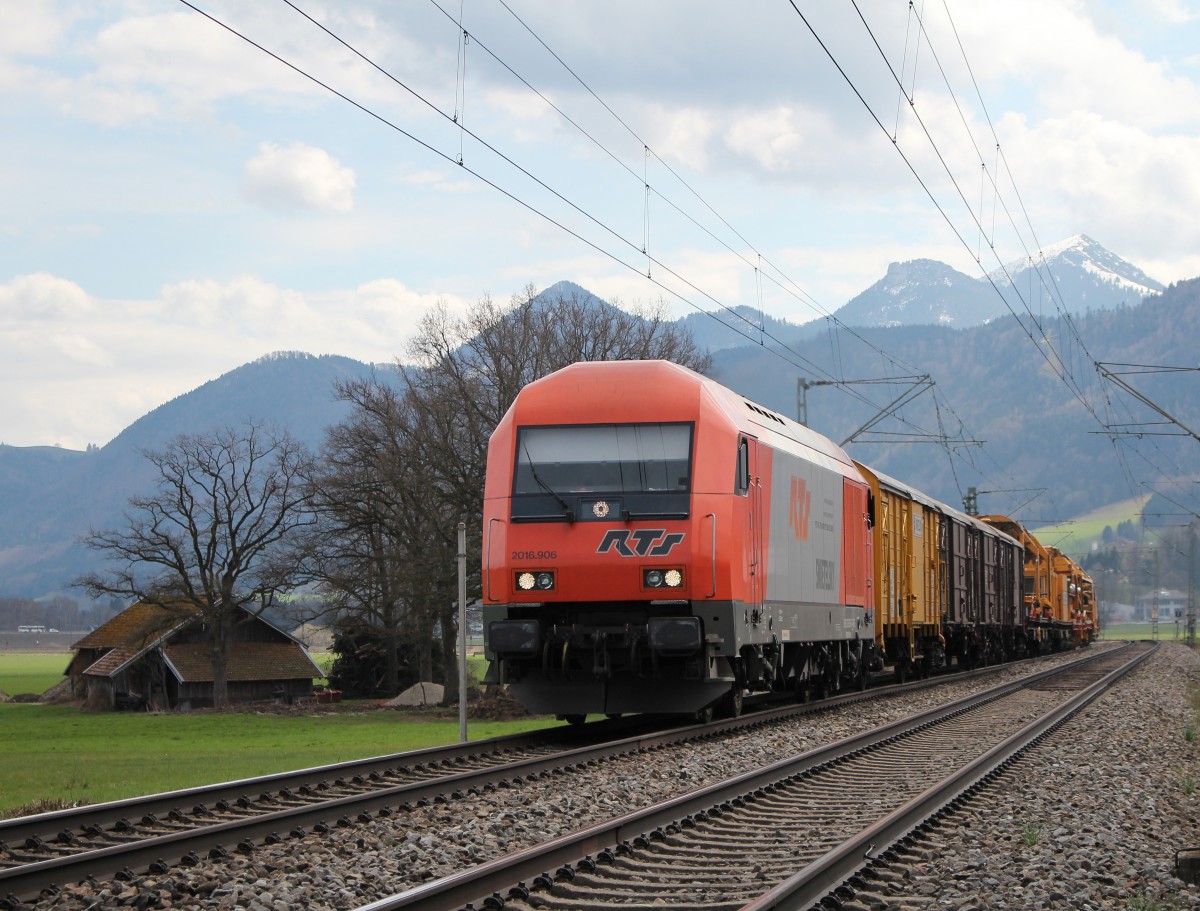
pixel 1166 631
pixel 31 672
pixel 1075 537
pixel 62 752
pixel 59 752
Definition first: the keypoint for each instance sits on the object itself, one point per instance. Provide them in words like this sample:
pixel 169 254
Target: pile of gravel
pixel 1108 803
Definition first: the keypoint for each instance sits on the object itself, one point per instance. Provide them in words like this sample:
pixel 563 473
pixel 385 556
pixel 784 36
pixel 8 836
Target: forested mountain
pixel 1001 383
pixel 50 497
pixel 995 378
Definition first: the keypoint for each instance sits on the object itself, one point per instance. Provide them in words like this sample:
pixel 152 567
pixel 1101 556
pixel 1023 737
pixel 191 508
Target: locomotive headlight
pixel 542 581
pixel 662 578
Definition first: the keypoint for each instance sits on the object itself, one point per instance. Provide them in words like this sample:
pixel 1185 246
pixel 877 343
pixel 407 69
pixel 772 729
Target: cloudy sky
pixel 174 201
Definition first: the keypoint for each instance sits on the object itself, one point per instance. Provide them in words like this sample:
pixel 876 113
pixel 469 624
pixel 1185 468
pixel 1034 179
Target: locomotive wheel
pixel 574 719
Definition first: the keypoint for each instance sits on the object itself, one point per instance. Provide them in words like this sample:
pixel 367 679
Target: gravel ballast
pixel 1091 819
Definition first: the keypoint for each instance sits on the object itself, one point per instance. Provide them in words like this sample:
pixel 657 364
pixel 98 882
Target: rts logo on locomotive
pixel 800 508
pixel 645 542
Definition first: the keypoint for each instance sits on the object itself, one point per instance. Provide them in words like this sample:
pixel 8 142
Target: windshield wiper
pixel 570 513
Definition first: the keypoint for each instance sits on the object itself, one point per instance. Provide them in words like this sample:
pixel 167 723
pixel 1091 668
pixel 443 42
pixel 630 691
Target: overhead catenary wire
pixel 1058 363
pixel 780 348
pixel 781 351
pixel 755 334
pixel 763 334
pixel 1051 286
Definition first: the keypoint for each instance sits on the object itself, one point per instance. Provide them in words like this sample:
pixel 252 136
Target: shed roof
pixel 144 627
pixel 249 661
pixel 112 661
pixel 138 625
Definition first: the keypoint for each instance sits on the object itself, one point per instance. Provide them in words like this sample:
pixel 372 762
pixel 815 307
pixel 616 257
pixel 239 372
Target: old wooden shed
pixel 158 657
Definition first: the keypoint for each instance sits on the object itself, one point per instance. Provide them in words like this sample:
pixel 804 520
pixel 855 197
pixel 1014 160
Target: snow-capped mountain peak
pixel 1074 274
pixel 1080 252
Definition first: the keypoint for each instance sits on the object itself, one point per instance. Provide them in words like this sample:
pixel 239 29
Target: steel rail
pixel 809 886
pixel 48 826
pixel 489 882
pixel 160 852
pixel 187 846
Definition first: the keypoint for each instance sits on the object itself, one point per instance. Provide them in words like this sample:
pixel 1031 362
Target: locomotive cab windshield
pixel 635 470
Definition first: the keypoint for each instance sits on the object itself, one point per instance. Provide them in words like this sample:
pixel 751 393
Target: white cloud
pixel 298 177
pixel 438 180
pixel 1096 107
pixel 77 369
pixel 1173 11
pixel 40 297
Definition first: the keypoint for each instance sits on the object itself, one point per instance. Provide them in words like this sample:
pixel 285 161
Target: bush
pixel 360 667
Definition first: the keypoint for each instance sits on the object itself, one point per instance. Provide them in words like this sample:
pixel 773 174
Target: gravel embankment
pixel 1105 808
pixel 1089 819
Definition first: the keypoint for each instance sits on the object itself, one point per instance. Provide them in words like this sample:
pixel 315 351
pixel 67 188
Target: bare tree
pixel 399 474
pixel 213 536
pixel 467 372
pixel 368 550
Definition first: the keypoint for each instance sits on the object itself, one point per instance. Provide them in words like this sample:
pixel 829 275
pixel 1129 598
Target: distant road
pixel 12 641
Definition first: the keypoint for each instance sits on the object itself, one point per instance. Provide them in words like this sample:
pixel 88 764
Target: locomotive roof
pixel 742 410
pixel 664 386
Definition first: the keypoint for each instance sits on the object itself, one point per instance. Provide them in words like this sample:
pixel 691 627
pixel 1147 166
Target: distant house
pixel 158 657
pixel 1165 605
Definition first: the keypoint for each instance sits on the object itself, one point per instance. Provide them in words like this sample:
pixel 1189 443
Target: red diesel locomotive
pixel 655 542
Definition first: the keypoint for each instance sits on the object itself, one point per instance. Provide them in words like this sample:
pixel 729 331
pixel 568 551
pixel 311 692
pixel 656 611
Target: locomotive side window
pixel 603 459
pixel 743 467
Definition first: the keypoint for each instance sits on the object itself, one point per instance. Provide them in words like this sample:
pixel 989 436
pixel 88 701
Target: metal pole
pixel 1191 608
pixel 462 632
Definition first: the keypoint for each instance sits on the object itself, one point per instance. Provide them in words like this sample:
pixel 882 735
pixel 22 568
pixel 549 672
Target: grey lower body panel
pixel 617 695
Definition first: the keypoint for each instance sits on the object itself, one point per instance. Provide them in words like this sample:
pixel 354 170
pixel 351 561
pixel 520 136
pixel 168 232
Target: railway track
pixel 39 853
pixel 789 835
pixel 125 838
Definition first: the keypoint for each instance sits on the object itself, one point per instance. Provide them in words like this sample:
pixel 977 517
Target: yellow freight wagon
pixel 909 587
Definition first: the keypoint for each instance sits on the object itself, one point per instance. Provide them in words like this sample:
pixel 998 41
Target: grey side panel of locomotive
pixel 803 560
pixel 805 535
